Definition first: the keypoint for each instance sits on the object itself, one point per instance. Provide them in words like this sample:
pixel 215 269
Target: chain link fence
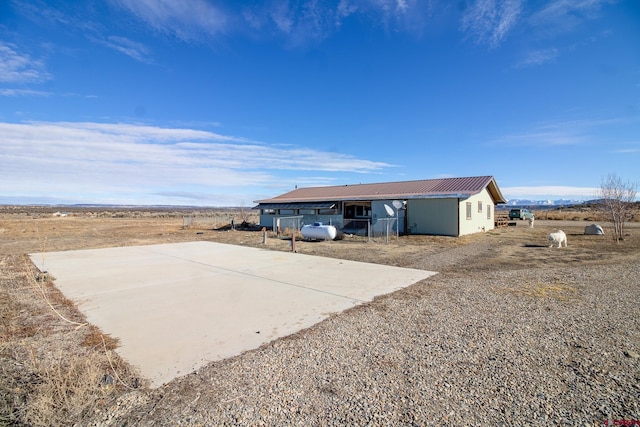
pixel 382 229
pixel 205 222
pixel 287 224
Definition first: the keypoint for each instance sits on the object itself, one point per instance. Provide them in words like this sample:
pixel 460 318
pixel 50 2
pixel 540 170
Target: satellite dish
pixel 397 204
pixel 389 210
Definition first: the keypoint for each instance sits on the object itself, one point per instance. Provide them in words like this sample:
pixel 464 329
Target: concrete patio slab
pixel 176 307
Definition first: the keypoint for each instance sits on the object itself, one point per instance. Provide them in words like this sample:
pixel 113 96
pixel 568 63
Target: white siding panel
pixel 479 221
pixel 433 216
pixel 378 211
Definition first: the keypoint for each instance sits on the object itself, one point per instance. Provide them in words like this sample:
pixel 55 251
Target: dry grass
pixel 586 212
pixel 52 363
pixel 557 290
pixel 68 389
pixel 94 338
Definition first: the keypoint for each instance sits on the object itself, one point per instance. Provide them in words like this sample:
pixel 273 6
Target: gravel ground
pixel 511 347
pixel 508 333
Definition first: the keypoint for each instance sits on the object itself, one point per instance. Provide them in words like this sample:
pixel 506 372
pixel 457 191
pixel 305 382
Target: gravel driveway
pixel 550 343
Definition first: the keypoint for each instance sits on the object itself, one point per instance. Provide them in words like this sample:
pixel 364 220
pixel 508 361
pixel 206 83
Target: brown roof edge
pixel 442 187
pixel 494 190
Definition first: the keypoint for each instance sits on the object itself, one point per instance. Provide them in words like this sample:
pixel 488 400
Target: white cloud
pixel 538 57
pixel 310 21
pixel 186 19
pixel 42 13
pixel 489 21
pixel 98 160
pixel 282 16
pixel 23 92
pixel 345 9
pixel 300 22
pixel 133 49
pixel 401 6
pixel 550 192
pixel 17 67
pixel 563 132
pixel 563 15
pixel 543 138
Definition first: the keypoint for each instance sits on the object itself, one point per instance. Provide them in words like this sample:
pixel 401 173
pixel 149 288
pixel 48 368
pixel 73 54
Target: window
pixel 468 210
pixel 328 212
pixel 287 212
pixel 488 212
pixel 479 206
pixel 268 211
pixel 363 211
pixel 306 212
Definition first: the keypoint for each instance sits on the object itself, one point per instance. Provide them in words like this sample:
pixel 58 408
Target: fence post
pixel 264 235
pixel 293 242
pixel 387 241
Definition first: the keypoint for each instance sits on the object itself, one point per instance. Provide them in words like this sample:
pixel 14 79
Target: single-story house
pixel 446 207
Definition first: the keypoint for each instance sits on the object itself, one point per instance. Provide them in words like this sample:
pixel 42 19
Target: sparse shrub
pixel 41 385
pixel 618 202
pixel 67 391
pixel 94 338
pixel 287 233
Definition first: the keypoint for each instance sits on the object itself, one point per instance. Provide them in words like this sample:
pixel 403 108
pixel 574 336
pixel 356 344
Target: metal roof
pixel 303 205
pixel 428 188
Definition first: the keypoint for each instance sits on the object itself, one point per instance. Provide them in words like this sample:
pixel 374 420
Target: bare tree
pixel 245 213
pixel 617 199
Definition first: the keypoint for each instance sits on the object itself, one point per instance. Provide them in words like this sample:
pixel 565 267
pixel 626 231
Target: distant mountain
pixel 557 202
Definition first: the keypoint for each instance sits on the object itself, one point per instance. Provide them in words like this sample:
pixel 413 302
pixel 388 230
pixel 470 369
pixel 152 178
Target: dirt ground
pixel 25 232
pixel 51 360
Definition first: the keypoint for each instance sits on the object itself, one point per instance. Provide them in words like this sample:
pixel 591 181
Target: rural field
pixel 509 332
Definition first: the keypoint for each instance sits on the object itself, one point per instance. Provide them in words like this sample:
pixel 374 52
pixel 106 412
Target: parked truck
pixel 520 214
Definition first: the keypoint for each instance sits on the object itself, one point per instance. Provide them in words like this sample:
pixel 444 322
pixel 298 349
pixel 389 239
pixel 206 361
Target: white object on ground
pixel 593 229
pixel 558 237
pixel 319 231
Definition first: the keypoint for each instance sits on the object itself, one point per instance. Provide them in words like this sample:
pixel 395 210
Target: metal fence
pixel 384 229
pixel 205 222
pixel 284 223
pixel 358 227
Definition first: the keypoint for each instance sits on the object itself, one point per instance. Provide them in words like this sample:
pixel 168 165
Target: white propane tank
pixel 319 231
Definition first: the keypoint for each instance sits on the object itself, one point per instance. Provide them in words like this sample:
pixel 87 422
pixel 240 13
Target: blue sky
pixel 221 103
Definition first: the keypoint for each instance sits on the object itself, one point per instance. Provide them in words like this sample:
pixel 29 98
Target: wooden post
pixel 264 235
pixel 293 242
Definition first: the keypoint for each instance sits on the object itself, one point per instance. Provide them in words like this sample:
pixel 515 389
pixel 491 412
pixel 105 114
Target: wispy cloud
pixel 131 48
pixel 628 147
pixel 555 18
pixel 489 21
pixel 550 192
pixel 564 15
pixel 542 138
pixel 538 57
pixel 188 20
pixel 561 132
pixel 42 12
pixel 18 67
pixel 299 23
pixel 23 92
pixel 96 159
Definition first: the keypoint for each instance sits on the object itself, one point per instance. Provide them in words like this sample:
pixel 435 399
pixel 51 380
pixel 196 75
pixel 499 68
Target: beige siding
pixel 433 216
pixel 479 221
